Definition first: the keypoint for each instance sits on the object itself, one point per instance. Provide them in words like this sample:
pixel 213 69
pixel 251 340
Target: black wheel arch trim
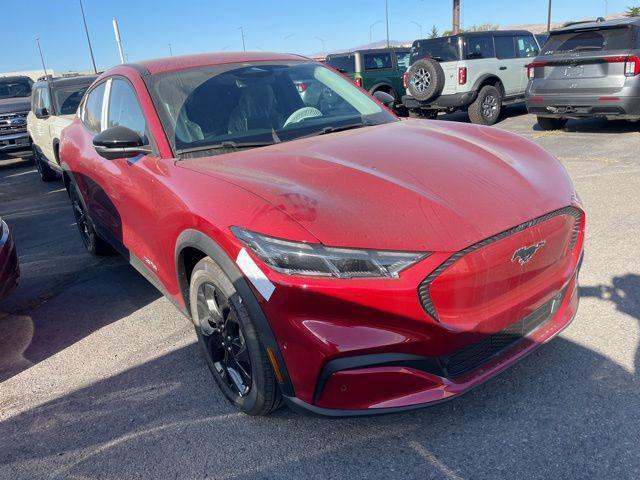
pixel 483 78
pixel 384 84
pixel 195 239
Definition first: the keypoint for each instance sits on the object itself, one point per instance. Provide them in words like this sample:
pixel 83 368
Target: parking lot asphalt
pixel 100 377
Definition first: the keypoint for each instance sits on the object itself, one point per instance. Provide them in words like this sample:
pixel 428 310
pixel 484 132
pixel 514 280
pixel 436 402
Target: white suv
pixel 53 104
pixel 479 71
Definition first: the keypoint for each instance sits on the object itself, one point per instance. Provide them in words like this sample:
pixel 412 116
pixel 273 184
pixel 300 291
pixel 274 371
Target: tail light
pixel 531 68
pixel 358 82
pixel 405 79
pixel 301 86
pixel 462 75
pixel 631 64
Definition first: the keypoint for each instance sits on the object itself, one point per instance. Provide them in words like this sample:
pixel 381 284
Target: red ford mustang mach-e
pixel 329 254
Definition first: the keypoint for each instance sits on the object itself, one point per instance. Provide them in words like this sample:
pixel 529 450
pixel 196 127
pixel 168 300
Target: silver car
pixel 586 70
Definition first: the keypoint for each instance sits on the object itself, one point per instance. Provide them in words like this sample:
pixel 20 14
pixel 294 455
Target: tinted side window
pixel 505 47
pixel 124 109
pixel 93 109
pixel 344 63
pixel 45 99
pixel 35 99
pixel 527 46
pixel 374 61
pixel 68 98
pixel 403 60
pixel 480 47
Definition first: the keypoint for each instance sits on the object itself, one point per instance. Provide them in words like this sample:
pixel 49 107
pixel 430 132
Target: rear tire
pixel 47 174
pixel 426 79
pixel 230 343
pixel 547 123
pixel 94 244
pixel 486 108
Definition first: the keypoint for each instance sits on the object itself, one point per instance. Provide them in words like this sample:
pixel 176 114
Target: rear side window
pixel 68 97
pixel 480 46
pixel 343 63
pixel 402 59
pixel 375 61
pixel 526 46
pixel 505 47
pixel 124 109
pixel 441 49
pixel 93 109
pixel 591 40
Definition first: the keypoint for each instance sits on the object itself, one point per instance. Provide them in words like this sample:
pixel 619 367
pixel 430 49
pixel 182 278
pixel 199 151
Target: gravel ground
pixel 101 378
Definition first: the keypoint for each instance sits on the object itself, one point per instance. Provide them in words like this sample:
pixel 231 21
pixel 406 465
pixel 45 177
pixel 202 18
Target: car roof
pixel 369 50
pixel 15 77
pixel 606 24
pixel 62 81
pixel 479 33
pixel 169 64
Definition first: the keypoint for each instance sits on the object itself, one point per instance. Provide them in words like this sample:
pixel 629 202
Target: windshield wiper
pixel 226 145
pixel 340 128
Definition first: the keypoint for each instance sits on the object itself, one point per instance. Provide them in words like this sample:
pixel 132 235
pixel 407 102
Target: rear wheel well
pixel 187 260
pixel 383 87
pixel 494 82
pixel 56 150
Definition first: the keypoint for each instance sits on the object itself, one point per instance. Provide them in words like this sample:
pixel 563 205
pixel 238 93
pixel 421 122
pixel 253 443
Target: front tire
pixel 547 123
pixel 486 108
pixel 229 341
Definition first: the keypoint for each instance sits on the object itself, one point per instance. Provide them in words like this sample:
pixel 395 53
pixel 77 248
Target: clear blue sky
pixel 147 26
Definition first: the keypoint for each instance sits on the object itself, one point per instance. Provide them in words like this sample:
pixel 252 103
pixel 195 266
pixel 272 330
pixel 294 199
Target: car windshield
pixel 14 88
pixel 590 40
pixel 67 98
pixel 443 49
pixel 213 110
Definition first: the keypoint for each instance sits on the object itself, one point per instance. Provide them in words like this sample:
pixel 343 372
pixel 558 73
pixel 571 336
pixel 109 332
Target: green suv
pixel 376 70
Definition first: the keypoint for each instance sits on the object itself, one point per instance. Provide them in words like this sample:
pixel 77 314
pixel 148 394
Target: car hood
pixel 15 105
pixel 407 185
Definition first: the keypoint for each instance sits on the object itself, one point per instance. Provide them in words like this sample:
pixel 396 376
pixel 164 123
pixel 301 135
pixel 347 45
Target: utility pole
pixel 244 49
pixel 322 42
pixel 456 17
pixel 386 9
pixel 371 30
pixel 549 17
pixel 116 31
pixel 86 30
pixel 41 56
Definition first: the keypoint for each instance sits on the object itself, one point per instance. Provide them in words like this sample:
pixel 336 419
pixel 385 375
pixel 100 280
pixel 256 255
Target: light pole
pixel 41 57
pixel 371 30
pixel 287 37
pixel 419 26
pixel 244 48
pixel 86 30
pixel 322 42
pixel 386 10
pixel 549 17
pixel 170 50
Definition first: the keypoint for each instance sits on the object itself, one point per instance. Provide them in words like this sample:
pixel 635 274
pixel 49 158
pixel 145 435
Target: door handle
pixel 502 68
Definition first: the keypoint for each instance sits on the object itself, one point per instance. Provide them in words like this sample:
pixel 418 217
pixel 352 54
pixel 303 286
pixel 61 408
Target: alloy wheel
pixel 421 80
pixel 489 106
pixel 224 340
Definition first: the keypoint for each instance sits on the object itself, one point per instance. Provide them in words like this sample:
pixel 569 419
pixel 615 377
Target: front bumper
pixel 9 268
pixel 443 102
pixel 610 106
pixel 15 141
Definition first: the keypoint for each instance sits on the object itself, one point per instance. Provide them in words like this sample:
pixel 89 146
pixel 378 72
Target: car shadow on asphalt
pixel 595 125
pixel 562 412
pixel 507 112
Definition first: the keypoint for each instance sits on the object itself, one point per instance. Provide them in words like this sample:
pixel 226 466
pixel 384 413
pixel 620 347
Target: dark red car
pixel 328 253
pixel 9 269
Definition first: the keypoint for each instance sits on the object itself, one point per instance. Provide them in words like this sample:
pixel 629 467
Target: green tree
pixel 632 12
pixel 434 32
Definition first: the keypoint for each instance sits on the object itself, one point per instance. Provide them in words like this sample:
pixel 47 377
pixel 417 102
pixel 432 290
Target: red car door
pixel 122 190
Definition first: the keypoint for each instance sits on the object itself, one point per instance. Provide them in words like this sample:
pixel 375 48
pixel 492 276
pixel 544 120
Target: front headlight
pixel 297 258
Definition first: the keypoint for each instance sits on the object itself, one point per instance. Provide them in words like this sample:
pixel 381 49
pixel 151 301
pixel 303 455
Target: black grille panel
pixel 472 356
pixel 423 288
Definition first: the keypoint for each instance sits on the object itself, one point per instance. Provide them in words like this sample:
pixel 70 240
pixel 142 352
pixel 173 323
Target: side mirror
pixel 384 98
pixel 119 142
pixel 41 112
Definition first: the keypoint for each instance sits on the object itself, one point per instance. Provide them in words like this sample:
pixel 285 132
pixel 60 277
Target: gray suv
pixel 586 70
pixel 15 94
